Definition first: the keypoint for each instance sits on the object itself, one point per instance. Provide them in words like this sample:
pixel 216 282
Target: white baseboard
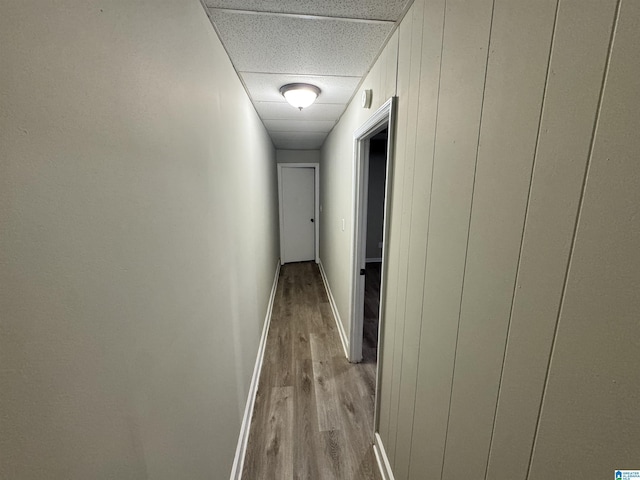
pixel 372 260
pixel 241 449
pixel 383 461
pixel 336 316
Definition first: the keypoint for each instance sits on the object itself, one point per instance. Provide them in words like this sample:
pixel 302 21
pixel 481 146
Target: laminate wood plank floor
pixel 313 416
pixel 371 312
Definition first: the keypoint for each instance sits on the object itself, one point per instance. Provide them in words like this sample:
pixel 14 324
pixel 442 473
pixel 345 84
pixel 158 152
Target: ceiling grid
pixel 331 44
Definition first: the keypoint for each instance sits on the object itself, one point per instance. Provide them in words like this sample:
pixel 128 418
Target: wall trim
pixel 381 456
pixel 241 449
pixel 336 316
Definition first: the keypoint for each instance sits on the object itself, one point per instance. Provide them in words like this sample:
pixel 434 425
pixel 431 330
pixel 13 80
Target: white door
pixel 298 212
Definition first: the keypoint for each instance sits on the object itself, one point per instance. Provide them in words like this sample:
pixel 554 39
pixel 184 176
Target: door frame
pixel 316 201
pixel 384 117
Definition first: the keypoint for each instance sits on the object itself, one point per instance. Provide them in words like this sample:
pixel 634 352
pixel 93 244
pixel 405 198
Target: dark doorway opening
pixel 376 188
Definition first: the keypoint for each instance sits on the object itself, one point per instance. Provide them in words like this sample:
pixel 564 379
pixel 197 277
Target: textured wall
pixel 138 241
pixel 511 316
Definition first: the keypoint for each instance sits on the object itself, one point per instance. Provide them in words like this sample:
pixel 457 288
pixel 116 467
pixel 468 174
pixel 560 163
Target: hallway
pixel 140 240
pixel 313 416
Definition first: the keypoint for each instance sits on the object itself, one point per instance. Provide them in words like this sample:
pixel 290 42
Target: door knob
pixel 312 220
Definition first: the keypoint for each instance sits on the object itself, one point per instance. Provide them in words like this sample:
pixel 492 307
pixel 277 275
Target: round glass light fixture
pixel 300 95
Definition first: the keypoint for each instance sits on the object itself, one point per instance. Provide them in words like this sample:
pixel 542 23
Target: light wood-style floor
pixel 313 417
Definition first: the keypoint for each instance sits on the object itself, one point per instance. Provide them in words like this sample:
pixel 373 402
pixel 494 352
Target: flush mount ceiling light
pixel 300 95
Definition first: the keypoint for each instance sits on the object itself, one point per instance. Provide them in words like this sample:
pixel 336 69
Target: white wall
pixel 138 241
pixel 511 312
pixel 298 156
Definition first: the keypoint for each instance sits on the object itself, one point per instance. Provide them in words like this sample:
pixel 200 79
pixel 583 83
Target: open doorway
pixel 372 160
pixel 374 243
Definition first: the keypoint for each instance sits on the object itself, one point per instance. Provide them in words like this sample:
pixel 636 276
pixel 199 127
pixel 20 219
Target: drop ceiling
pixel 329 43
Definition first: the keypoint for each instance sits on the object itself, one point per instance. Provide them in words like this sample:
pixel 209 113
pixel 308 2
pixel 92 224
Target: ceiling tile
pixel 284 111
pixel 299 45
pixel 299 126
pixel 298 141
pixel 265 87
pixel 370 9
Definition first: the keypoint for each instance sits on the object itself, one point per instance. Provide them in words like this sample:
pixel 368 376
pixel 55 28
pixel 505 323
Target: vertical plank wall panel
pixel 465 44
pixel 392 66
pixel 396 253
pixel 378 79
pixel 402 193
pixel 428 57
pixel 378 87
pixel 516 73
pixel 410 312
pixel 578 59
pixel 425 148
pixel 387 56
pixel 386 60
pixel 383 60
pixel 589 419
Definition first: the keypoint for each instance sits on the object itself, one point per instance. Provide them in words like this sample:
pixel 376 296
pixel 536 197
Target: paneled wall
pixel 511 325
